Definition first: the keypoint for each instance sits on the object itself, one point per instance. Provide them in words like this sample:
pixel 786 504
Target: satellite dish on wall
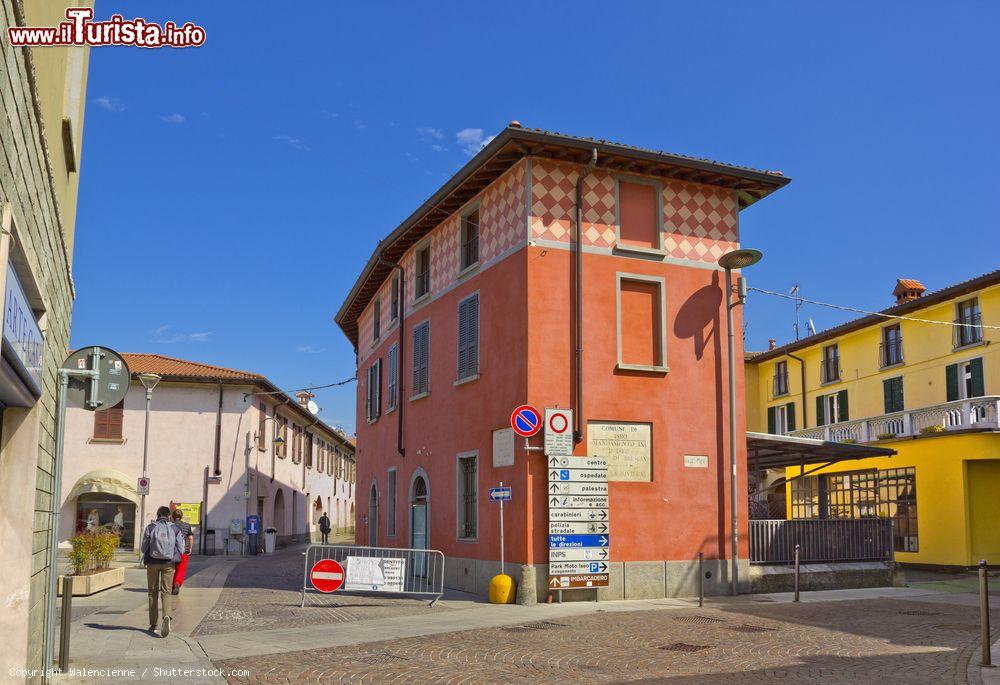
pixel 312 407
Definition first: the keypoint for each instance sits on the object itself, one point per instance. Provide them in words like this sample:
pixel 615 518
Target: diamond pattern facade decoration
pixel 501 226
pixel 699 221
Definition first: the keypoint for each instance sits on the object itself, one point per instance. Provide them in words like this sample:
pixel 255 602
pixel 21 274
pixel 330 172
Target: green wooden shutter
pixel 951 381
pixel 772 427
pixel 976 367
pixel 790 413
pixel 844 415
pixel 473 336
pixel 898 394
pixel 820 416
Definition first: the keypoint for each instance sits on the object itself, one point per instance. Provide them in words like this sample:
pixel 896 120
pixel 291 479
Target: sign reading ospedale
pixel 23 342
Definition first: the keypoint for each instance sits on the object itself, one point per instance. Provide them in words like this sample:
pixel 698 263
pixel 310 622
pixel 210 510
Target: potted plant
pixel 90 558
pixel 885 436
pixel 928 430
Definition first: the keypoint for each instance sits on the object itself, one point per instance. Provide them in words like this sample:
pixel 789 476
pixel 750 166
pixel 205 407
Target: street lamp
pixel 737 259
pixel 149 381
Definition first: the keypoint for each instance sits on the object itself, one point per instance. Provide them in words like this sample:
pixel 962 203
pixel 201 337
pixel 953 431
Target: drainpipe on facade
pixel 218 434
pixel 401 308
pixel 578 414
pixel 802 371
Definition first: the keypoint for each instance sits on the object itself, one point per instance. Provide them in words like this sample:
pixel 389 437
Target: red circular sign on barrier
pixel 327 575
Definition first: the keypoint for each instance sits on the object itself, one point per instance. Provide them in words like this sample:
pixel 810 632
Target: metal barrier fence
pixel 422 569
pixel 821 540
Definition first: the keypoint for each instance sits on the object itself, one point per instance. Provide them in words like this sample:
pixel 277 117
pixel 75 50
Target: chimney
pixel 907 290
pixel 303 396
pixel 772 343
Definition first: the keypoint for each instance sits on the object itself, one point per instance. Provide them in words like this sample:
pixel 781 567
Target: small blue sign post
pixel 500 494
pixel 253 524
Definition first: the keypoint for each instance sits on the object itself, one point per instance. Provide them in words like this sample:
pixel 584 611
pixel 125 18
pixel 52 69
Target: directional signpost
pixel 579 530
pixel 501 495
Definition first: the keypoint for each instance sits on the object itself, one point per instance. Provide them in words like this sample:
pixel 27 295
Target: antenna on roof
pixel 812 327
pixel 798 305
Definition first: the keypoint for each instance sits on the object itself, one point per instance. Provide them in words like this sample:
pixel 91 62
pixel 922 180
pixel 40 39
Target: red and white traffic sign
pixel 525 420
pixel 327 575
pixel 558 434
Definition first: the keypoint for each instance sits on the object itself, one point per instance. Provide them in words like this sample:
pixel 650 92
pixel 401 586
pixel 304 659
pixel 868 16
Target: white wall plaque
pixel 696 461
pixel 627 447
pixel 503 447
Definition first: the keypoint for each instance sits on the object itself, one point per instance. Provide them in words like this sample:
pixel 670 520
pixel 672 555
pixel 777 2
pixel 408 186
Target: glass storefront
pixel 103 511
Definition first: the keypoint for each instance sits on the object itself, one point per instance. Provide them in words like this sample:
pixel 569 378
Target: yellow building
pixel 929 391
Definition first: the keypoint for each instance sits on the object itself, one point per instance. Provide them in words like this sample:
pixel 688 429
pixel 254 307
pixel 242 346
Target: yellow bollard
pixel 503 590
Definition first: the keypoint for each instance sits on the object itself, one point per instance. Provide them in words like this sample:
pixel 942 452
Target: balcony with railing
pixel 968 330
pixel 829 369
pixel 890 352
pixel 470 251
pixel 977 412
pixel 779 385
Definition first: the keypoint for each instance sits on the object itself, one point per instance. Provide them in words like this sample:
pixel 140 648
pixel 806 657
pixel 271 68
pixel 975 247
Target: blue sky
pixel 231 193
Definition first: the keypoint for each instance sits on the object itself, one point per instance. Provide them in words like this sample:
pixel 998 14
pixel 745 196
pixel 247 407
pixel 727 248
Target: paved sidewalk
pixel 110 630
pixel 238 620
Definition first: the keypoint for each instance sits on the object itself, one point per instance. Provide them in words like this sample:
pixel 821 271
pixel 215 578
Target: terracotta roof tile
pixel 170 366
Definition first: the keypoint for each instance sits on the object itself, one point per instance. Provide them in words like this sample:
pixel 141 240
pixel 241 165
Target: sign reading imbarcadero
pixel 626 446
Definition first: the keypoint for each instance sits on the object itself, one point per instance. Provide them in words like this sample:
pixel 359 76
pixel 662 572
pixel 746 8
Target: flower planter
pixel 93 583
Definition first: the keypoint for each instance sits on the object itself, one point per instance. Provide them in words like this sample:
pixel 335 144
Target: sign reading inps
pixel 626 446
pixel 22 338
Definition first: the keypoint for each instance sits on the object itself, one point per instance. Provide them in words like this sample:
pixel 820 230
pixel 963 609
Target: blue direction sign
pixel 561 541
pixel 500 494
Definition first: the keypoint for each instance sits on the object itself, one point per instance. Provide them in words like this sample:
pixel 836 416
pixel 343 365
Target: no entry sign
pixel 526 421
pixel 327 575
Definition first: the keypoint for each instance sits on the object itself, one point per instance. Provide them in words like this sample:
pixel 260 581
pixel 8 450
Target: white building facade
pixel 212 452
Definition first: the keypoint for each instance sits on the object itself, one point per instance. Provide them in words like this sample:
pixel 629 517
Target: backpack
pixel 162 541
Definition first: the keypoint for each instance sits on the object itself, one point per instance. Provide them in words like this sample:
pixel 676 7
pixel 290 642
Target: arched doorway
pixel 279 511
pixel 103 499
pixel 419 533
pixel 373 517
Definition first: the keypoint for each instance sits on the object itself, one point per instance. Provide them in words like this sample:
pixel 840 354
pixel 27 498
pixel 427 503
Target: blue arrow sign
pixel 569 541
pixel 500 494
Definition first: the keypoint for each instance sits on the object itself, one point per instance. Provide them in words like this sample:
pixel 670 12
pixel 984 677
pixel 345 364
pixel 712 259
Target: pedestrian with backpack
pixel 162 546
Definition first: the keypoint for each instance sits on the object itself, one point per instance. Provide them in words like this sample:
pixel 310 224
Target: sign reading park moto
pixel 579 530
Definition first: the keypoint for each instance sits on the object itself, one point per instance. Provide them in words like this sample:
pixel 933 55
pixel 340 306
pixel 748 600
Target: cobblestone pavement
pixel 262 594
pixel 884 641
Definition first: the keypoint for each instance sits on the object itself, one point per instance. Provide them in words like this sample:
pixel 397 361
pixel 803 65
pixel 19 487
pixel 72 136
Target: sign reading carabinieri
pixel 627 447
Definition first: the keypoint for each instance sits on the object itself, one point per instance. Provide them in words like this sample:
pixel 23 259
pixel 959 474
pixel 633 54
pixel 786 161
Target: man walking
pixel 188 536
pixel 324 528
pixel 162 546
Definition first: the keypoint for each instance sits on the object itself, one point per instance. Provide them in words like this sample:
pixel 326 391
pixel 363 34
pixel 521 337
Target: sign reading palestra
pixel 627 447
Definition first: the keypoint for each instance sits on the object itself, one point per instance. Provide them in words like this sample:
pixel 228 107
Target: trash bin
pixel 270 536
pixel 209 541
